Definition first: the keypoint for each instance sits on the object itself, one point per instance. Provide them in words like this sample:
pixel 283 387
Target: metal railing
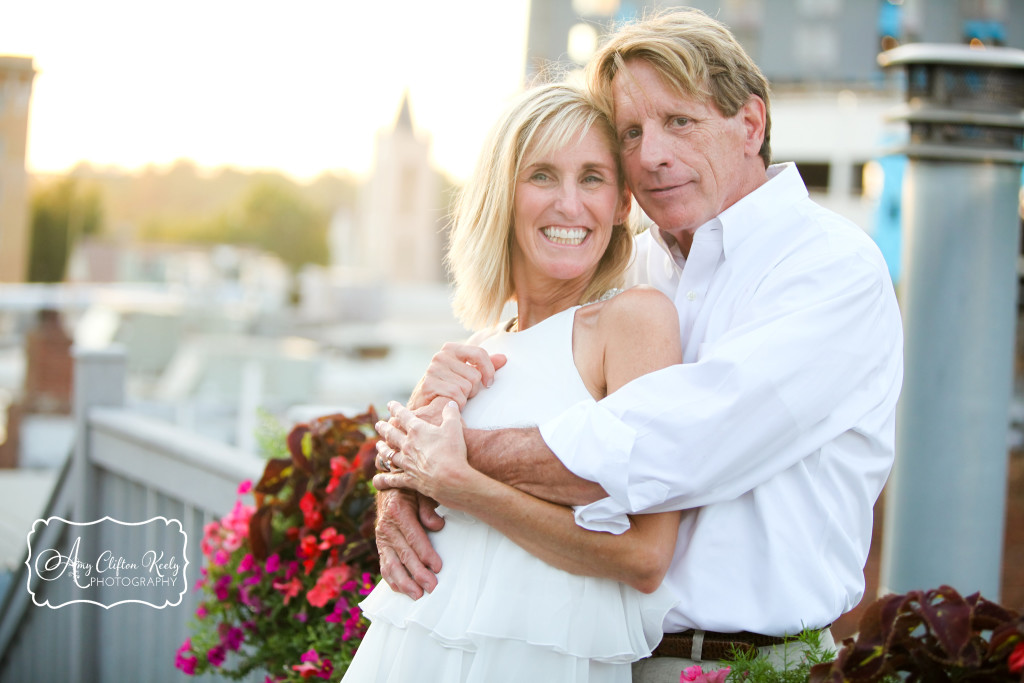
pixel 130 468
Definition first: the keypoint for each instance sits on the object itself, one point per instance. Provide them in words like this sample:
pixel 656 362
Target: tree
pixel 278 219
pixel 61 213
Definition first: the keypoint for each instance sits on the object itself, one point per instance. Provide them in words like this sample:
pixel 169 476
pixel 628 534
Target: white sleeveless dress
pixel 499 614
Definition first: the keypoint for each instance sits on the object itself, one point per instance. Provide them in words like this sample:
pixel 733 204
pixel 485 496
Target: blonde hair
pixel 542 119
pixel 695 54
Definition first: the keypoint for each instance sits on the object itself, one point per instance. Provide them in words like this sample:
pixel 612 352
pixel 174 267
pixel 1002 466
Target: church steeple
pixel 404 120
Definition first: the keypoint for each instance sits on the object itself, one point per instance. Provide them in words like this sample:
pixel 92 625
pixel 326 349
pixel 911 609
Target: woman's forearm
pixel 639 557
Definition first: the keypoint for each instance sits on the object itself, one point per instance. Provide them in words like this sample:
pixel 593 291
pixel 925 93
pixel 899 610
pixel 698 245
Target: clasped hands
pixel 426 453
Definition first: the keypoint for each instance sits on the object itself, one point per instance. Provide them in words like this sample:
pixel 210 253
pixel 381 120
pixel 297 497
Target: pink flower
pixel 312 665
pixel 184 659
pixel 216 655
pixel 223 587
pixel 245 487
pixel 201 611
pixel 232 638
pixel 247 564
pixel 695 674
pixel 221 557
pixel 1015 662
pixel 353 625
pixel 273 563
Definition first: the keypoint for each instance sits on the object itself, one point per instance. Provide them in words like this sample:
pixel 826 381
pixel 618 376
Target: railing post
pixel 99 381
pixel 946 501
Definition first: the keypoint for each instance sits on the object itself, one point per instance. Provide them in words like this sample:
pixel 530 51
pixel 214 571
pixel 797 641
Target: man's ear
pixel 754 116
pixel 625 204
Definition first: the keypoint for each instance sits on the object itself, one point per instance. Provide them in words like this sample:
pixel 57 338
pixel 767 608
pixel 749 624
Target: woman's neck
pixel 537 304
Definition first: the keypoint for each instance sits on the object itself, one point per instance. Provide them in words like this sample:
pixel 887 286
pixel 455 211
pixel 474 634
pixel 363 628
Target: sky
pixel 301 86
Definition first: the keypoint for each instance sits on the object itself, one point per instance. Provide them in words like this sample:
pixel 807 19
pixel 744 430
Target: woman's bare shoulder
pixel 642 307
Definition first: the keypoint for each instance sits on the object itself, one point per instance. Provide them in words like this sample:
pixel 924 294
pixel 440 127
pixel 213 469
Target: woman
pixel 525 593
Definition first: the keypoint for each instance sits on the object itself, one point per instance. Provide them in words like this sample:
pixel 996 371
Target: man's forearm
pixel 520 458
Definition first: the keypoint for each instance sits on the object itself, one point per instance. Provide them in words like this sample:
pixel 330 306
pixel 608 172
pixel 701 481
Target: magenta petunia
pixel 216 655
pixel 245 487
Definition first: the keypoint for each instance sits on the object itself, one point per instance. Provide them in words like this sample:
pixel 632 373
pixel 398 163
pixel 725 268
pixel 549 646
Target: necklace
pixel 513 324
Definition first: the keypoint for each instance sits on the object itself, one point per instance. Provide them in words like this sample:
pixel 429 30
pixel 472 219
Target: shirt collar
pixel 783 188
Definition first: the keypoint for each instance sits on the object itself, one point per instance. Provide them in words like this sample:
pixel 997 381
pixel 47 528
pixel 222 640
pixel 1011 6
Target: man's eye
pixel 631 134
pixel 680 121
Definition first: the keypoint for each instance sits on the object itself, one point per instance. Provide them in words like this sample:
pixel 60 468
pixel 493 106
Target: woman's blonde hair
pixel 542 119
pixel 695 54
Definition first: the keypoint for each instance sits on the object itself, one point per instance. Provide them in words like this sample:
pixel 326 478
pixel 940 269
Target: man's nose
pixel 654 149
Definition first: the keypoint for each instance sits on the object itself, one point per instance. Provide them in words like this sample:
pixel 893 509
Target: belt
pixel 704 645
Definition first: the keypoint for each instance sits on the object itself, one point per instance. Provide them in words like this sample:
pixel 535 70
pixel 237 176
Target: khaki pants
pixel 668 669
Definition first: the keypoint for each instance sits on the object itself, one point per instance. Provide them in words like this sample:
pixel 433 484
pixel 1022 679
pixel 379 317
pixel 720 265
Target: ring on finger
pixel 387 459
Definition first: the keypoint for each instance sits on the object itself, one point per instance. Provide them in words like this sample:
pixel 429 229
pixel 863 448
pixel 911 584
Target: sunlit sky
pixel 301 86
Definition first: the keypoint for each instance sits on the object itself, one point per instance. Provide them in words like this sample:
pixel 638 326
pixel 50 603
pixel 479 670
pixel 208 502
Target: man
pixel 776 433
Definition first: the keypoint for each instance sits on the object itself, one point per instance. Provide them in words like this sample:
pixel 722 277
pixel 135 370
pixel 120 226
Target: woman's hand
pixel 458 372
pixel 427 458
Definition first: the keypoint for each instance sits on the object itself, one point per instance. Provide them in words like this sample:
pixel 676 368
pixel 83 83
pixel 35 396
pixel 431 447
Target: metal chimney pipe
pixel 946 500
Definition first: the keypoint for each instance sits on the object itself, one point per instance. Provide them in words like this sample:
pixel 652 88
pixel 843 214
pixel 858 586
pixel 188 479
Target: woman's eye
pixel 539 177
pixel 593 179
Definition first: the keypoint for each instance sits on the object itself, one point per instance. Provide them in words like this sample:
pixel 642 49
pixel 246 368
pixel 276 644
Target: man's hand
pixel 408 562
pixel 456 372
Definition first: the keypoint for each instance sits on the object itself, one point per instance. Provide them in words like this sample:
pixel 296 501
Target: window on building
pixel 815 175
pixel 857 181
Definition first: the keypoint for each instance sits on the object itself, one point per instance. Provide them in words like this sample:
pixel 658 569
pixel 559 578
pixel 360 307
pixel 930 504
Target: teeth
pixel 571 236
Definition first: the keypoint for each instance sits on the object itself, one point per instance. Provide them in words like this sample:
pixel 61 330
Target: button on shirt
pixel 776 433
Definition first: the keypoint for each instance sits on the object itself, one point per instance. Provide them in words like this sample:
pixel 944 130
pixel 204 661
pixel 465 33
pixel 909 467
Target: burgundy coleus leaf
pixel 1006 637
pixel 274 477
pixel 357 550
pixel 867 655
pixel 295 438
pixel 334 499
pixel 948 617
pixel 260 532
pixel 366 457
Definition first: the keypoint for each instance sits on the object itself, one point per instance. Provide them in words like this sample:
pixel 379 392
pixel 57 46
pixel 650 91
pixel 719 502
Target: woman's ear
pixel 625 204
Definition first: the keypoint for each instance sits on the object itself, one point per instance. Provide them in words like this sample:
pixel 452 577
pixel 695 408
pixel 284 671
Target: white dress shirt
pixel 775 435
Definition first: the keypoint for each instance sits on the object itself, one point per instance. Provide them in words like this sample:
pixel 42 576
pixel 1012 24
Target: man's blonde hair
pixel 695 54
pixel 542 119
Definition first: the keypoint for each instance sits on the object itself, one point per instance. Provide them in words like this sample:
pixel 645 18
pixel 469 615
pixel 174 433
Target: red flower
pixel 330 537
pixel 1015 662
pixel 289 588
pixel 339 466
pixel 312 517
pixel 328 585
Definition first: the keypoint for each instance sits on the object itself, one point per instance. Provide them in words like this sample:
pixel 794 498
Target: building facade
pixel 400 234
pixel 16 76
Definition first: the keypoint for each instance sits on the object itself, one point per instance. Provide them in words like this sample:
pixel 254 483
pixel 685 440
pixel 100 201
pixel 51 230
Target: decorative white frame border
pixel 168 522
